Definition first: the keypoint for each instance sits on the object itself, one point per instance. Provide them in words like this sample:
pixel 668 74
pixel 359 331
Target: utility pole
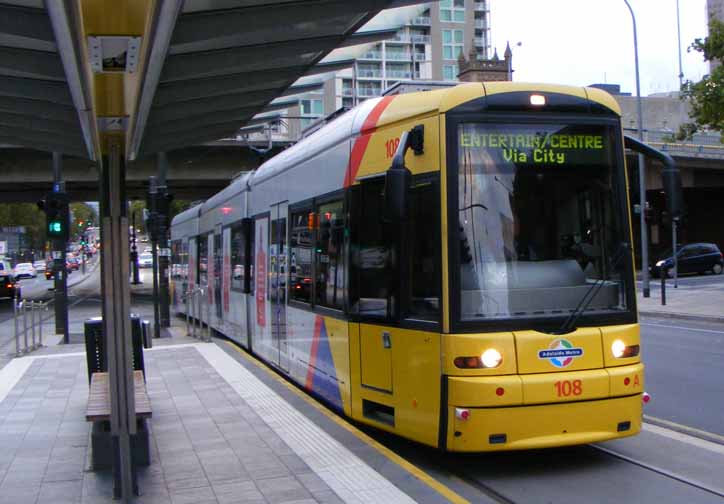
pixel 134 251
pixel 152 230
pixel 642 168
pixel 162 221
pixel 57 213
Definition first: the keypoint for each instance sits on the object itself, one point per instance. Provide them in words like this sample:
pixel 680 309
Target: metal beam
pixel 302 88
pixel 174 140
pixel 225 116
pixel 42 145
pixel 39 109
pixel 247 58
pixel 24 122
pixel 26 23
pixel 64 18
pixel 215 86
pixel 66 137
pixel 165 15
pixel 34 89
pixel 232 22
pixel 193 108
pixel 31 64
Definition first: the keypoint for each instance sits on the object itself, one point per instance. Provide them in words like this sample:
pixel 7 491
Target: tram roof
pixel 202 70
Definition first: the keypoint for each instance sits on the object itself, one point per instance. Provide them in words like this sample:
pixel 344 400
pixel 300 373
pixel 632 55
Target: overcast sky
pixel 583 42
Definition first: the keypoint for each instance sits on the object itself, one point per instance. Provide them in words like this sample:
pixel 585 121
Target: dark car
pixel 692 258
pixel 9 287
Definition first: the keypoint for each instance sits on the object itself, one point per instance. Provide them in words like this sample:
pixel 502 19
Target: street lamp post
pixel 642 172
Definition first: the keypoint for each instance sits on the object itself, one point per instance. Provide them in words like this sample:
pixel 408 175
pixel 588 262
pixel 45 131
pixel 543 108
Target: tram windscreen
pixel 540 223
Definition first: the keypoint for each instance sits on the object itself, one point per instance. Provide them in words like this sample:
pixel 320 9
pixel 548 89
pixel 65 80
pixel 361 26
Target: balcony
pixel 347 92
pixel 371 55
pixel 420 21
pixel 398 56
pixel 398 74
pixel 481 7
pixel 481 23
pixel 369 92
pixel 480 42
pixel 369 74
pixel 420 39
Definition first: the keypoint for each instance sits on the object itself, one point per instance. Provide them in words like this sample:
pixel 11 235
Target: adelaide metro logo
pixel 560 353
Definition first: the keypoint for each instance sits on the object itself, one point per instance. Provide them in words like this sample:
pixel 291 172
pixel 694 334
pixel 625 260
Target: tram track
pixel 658 470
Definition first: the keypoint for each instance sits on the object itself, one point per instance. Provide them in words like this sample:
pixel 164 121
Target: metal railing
pixel 25 337
pixel 197 304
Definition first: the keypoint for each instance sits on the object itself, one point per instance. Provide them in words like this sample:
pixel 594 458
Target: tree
pixel 137 206
pixel 83 216
pixel 28 215
pixel 707 96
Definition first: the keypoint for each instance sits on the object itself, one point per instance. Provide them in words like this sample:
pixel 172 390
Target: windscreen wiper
pixel 591 293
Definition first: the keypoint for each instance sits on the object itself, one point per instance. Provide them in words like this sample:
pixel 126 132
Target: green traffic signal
pixel 55 227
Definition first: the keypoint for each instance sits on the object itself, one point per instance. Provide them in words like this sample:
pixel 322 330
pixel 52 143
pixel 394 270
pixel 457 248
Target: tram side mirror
pixel 670 176
pixel 398 179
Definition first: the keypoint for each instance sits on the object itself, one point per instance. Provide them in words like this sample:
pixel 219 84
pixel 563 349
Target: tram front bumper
pixel 545 410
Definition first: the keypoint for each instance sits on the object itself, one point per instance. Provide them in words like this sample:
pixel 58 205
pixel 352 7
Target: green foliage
pixel 707 96
pixel 28 215
pixel 81 213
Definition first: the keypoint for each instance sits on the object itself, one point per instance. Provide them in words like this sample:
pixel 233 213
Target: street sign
pixel 164 252
pixel 3 247
pixel 57 254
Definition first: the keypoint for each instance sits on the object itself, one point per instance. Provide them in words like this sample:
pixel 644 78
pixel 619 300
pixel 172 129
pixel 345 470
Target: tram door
pixel 218 271
pixel 278 271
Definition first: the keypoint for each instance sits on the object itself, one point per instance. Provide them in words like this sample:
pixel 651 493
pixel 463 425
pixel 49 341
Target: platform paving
pixel 218 435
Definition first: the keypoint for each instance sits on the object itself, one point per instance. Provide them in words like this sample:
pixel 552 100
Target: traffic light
pixel 57 215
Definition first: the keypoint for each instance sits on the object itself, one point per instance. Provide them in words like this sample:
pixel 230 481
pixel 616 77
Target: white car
pixel 25 270
pixel 145 260
pixel 39 266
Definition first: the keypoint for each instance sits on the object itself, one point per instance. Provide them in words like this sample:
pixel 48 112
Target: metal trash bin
pixel 95 344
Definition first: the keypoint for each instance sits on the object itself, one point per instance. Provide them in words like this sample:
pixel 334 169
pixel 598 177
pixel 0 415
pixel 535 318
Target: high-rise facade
pixel 427 47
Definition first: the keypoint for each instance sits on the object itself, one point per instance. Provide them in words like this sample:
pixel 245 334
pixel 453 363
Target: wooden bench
pixel 98 411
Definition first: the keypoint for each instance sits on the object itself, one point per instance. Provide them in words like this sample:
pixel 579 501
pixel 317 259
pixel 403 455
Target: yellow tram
pixel 452 266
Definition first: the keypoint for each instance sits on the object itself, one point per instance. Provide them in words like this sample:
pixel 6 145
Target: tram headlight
pixel 491 358
pixel 619 349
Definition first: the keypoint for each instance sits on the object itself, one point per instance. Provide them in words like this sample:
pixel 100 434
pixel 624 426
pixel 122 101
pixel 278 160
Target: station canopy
pixel 170 73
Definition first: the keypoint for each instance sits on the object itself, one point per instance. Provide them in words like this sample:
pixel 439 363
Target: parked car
pixel 145 260
pixel 692 258
pixel 24 270
pixel 39 266
pixel 9 286
pixel 74 263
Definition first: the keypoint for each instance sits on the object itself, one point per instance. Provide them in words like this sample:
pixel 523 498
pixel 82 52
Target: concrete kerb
pixel 680 316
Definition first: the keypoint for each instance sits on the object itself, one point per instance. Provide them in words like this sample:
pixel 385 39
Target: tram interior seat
pixel 531 287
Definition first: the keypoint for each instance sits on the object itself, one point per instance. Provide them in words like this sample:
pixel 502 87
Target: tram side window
pixel 424 240
pixel 372 266
pixel 238 258
pixel 176 259
pixel 329 258
pixel 300 245
pixel 203 259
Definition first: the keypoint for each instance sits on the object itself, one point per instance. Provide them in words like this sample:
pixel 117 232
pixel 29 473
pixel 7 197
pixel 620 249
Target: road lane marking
pixel 681 327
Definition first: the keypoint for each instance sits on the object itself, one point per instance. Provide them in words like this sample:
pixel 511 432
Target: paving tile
pixel 18 494
pixel 312 482
pixel 201 495
pixel 282 489
pixel 65 492
pixel 231 493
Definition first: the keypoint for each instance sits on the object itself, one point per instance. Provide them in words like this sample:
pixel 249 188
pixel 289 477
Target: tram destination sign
pixel 548 145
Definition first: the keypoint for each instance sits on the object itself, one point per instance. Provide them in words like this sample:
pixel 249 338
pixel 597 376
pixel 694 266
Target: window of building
pixel 300 245
pixel 329 257
pixel 452 44
pixel 452 11
pixel 450 72
pixel 238 258
pixel 311 110
pixel 203 259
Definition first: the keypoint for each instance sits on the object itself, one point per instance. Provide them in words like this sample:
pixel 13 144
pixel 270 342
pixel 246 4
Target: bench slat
pixel 99 399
